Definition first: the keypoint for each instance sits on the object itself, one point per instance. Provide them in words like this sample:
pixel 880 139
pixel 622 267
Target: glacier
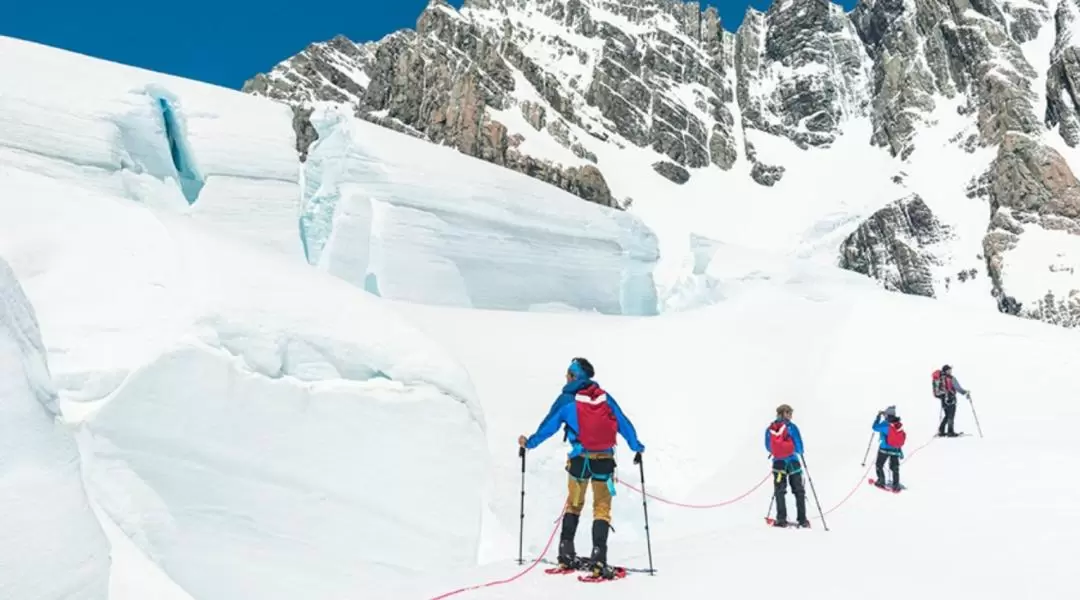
pixel 308 415
pixel 243 423
pixel 398 217
pixel 53 546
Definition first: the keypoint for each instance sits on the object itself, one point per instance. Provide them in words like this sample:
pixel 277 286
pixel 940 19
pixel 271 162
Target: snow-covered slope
pixel 244 401
pixel 701 386
pixel 135 134
pixel 251 427
pixel 231 396
pixel 52 545
pixel 808 131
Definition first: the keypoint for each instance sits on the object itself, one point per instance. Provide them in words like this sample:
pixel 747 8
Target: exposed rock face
pixel 766 175
pixel 672 171
pixel 563 90
pixel 948 47
pixel 893 246
pixel 305 131
pixel 666 83
pixel 1062 91
pixel 1029 185
pixel 802 71
pixel 334 71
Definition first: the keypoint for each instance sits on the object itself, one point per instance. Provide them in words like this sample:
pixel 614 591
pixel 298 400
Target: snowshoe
pixel 886 488
pixel 603 572
pixel 572 565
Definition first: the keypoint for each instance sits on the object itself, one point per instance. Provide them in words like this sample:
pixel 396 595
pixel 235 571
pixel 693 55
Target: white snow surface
pixel 250 426
pixel 52 545
pixel 410 220
pixel 247 400
pixel 243 420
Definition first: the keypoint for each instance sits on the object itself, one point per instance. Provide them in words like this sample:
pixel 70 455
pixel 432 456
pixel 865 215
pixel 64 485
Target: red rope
pixel 859 483
pixel 685 505
pixel 521 574
pixel 555 531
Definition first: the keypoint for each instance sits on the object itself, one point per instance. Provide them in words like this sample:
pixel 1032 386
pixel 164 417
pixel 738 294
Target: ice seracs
pixel 53 547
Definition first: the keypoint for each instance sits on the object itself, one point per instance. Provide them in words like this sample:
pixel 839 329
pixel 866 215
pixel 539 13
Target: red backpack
pixel 896 436
pixel 781 445
pixel 597 425
pixel 941 384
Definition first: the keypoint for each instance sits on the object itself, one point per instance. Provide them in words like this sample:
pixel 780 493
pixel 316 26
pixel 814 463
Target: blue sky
pixel 224 41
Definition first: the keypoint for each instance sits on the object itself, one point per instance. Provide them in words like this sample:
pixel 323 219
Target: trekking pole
pixel 816 501
pixel 868 446
pixel 772 500
pixel 975 414
pixel 521 526
pixel 645 506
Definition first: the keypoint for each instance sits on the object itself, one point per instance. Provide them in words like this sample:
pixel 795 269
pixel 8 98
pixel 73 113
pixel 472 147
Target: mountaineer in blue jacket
pixel 591 419
pixel 785 446
pixel 893 436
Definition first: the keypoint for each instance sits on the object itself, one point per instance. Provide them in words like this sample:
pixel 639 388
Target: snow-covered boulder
pixel 53 547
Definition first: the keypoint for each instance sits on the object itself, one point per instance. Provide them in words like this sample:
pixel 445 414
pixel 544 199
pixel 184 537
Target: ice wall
pixel 414 221
pixel 301 441
pixel 52 546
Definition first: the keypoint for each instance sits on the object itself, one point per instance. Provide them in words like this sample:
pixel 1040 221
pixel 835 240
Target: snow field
pixel 702 385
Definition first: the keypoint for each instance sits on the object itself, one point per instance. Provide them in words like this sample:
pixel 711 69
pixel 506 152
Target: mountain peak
pixel 576 92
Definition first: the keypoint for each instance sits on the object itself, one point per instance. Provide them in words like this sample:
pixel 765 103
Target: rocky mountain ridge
pixel 562 90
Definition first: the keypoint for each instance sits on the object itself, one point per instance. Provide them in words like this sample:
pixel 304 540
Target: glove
pixel 637 458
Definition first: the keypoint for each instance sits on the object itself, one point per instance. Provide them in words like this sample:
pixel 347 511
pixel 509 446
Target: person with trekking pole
pixel 945 388
pixel 591 419
pixel 785 446
pixel 887 424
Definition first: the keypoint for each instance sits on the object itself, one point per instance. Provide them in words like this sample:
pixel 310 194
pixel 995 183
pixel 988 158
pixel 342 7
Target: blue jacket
pixel 881 426
pixel 793 430
pixel 564 412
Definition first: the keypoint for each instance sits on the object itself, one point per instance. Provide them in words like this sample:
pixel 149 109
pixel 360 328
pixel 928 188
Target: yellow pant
pixel 601 496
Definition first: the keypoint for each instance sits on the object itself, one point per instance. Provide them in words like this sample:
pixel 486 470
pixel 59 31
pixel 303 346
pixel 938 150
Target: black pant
pixel 783 472
pixel 948 404
pixel 598 468
pixel 894 466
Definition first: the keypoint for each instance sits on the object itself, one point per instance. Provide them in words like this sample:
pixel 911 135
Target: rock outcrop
pixel 672 172
pixel 893 246
pixel 1030 186
pixel 1062 91
pixel 573 92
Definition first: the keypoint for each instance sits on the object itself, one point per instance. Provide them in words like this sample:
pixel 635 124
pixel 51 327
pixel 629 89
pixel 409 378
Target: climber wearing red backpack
pixel 784 443
pixel 893 437
pixel 945 388
pixel 591 419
